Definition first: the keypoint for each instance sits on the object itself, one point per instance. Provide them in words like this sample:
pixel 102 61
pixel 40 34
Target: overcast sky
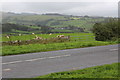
pixel 91 8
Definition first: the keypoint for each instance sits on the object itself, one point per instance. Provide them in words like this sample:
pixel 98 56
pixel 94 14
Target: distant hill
pixel 53 20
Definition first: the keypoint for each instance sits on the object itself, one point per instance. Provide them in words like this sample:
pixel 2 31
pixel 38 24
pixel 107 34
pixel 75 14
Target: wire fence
pixel 83 38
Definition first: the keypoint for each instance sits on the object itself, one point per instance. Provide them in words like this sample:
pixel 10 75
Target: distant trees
pixel 45 29
pixel 107 31
pixel 8 27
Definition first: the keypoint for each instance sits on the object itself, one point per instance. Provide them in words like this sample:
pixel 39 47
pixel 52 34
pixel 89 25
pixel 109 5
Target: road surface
pixel 36 64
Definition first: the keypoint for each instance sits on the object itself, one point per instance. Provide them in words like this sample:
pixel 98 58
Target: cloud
pixel 59 0
pixel 73 8
pixel 96 9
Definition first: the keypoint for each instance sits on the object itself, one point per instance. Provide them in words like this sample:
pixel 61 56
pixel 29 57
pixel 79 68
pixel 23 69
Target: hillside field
pixel 58 22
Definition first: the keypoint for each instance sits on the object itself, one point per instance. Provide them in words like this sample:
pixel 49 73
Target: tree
pixel 107 31
pixel 45 29
pixel 8 27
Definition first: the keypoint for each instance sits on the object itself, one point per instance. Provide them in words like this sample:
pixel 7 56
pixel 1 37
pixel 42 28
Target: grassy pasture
pixel 77 40
pixel 104 72
pixel 28 37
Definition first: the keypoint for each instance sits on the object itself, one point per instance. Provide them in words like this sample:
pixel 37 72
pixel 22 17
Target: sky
pixel 107 8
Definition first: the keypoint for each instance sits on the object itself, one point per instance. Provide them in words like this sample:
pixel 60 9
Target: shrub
pixel 107 31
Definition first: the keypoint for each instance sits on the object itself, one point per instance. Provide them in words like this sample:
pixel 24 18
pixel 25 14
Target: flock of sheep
pixel 38 39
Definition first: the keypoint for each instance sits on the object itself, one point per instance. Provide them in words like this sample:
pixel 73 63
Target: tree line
pixel 8 27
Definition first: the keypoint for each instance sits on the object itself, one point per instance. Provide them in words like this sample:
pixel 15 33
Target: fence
pixel 83 38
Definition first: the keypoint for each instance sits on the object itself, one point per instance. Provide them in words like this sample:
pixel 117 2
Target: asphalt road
pixel 36 64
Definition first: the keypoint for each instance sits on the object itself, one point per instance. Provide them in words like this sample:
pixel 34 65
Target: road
pixel 36 64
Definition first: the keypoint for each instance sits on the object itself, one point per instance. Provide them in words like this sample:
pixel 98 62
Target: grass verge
pixel 13 50
pixel 104 71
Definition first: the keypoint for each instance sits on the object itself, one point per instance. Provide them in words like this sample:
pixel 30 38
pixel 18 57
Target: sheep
pixel 20 34
pixel 16 42
pixel 33 33
pixel 8 37
pixel 50 34
pixel 63 37
pixel 37 38
pixel 59 36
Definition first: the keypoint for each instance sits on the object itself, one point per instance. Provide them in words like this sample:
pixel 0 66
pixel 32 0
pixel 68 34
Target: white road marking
pixel 8 69
pixel 59 56
pixel 12 62
pixel 55 57
pixel 52 57
pixel 66 55
pixel 37 59
pixel 113 49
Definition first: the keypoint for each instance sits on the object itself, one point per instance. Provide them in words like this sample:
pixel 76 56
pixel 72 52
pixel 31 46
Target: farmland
pixel 30 36
pixel 56 22
pixel 77 40
pixel 59 40
pixel 77 27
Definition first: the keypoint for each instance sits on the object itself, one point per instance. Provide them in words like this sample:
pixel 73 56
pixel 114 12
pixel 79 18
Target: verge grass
pixel 13 50
pixel 103 71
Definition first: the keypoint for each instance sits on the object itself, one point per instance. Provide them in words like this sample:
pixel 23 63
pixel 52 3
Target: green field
pixel 74 36
pixel 107 71
pixel 77 40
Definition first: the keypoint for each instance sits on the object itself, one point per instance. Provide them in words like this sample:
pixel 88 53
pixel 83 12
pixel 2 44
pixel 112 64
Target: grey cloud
pixel 73 8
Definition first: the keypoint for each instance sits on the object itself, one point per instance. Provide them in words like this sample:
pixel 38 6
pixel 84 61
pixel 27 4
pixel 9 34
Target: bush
pixel 107 31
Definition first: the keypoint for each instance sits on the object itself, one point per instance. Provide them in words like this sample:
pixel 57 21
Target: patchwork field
pixel 57 22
